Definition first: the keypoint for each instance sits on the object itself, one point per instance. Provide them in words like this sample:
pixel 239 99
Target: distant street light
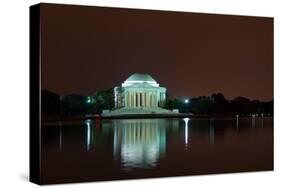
pixel 186 101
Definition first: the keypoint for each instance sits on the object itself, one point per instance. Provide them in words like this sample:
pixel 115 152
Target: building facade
pixel 139 91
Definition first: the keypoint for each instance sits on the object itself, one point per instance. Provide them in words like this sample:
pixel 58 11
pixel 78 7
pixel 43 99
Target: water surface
pixel 139 148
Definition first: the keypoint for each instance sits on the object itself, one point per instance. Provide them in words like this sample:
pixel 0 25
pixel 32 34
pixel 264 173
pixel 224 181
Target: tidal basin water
pixel 140 148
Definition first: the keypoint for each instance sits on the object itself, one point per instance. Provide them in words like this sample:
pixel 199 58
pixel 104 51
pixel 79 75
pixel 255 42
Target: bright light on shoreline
pixel 186 101
pixel 89 100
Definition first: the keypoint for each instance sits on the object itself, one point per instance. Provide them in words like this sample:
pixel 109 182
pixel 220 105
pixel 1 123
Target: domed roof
pixel 140 77
pixel 140 80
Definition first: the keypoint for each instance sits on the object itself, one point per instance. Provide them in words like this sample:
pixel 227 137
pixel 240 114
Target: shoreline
pixel 142 116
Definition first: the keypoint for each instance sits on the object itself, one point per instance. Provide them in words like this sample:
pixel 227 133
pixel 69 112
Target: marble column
pixel 125 99
pixel 135 94
pixel 129 101
pixel 143 101
pixel 146 104
pixel 140 102
pixel 150 99
pixel 154 99
pixel 147 99
pixel 134 100
pixel 131 98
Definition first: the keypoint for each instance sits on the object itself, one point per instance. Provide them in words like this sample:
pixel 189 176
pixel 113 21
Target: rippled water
pixel 139 148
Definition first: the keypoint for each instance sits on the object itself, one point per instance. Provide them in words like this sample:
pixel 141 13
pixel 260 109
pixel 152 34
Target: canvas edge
pixel 34 95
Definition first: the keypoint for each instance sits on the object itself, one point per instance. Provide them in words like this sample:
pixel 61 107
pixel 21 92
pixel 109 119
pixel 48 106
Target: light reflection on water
pixel 89 135
pixel 140 143
pixel 186 131
pixel 128 145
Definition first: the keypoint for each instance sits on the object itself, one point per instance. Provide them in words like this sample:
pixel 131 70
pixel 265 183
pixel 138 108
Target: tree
pixel 103 99
pixel 176 104
pixel 240 105
pixel 201 105
pixel 219 104
pixel 74 105
pixel 50 103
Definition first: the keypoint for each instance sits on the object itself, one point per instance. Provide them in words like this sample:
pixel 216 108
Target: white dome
pixel 140 79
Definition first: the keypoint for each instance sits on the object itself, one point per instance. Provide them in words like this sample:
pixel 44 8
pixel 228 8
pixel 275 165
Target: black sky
pixel 86 49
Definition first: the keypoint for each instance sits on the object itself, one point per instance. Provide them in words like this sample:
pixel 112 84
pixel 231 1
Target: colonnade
pixel 141 99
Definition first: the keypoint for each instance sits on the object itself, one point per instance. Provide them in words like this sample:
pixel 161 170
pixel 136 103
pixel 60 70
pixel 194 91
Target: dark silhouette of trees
pixel 50 103
pixel 173 103
pixel 69 105
pixel 256 107
pixel 267 107
pixel 219 104
pixel 200 105
pixel 215 104
pixel 240 105
pixel 73 105
pixel 102 100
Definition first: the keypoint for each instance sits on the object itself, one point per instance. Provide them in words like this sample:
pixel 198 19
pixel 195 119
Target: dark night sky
pixel 86 49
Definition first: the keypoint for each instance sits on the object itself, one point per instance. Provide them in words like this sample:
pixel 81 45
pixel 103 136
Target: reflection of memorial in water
pixel 133 147
pixel 139 142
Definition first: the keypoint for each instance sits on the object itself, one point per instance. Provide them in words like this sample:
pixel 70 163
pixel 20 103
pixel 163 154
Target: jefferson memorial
pixel 138 91
pixel 139 94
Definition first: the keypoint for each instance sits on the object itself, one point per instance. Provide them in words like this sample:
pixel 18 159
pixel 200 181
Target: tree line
pixel 74 104
pixel 215 104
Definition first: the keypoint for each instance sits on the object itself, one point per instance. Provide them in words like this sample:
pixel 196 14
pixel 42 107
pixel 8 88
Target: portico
pixel 135 99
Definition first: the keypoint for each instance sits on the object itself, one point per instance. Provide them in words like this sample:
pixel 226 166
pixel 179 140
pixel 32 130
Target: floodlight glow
pixel 89 100
pixel 186 101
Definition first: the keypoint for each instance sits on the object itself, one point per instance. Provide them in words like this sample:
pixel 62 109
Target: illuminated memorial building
pixel 139 90
pixel 139 94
